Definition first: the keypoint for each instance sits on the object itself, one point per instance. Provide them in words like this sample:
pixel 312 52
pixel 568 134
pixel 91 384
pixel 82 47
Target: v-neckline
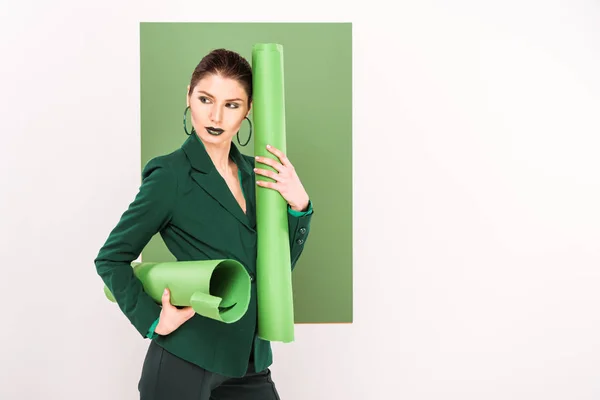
pixel 236 157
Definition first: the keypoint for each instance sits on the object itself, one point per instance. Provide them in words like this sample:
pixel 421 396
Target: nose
pixel 216 114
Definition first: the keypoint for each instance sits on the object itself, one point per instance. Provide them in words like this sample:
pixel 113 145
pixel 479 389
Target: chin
pixel 221 139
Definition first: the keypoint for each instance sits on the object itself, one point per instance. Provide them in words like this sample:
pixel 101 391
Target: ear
pixel 249 110
pixel 187 96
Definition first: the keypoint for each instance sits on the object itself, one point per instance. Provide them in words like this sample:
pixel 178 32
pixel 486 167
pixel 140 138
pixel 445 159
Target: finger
pixel 269 174
pixel 282 157
pixel 166 298
pixel 270 185
pixel 270 162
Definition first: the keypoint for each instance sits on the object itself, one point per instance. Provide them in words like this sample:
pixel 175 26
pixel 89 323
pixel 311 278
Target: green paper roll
pixel 217 289
pixel 273 268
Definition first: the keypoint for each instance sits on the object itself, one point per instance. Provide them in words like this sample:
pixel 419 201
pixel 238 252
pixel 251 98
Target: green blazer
pixel 183 197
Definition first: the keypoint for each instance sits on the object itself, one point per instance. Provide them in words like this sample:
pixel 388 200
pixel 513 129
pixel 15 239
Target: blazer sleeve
pixel 299 228
pixel 149 213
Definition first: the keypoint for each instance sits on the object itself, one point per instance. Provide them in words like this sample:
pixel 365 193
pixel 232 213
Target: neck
pixel 219 154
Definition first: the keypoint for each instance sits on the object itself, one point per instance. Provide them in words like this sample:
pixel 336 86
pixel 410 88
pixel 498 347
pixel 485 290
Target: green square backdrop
pixel 318 103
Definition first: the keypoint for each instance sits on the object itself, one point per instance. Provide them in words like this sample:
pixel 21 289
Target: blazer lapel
pixel 208 178
pixel 216 187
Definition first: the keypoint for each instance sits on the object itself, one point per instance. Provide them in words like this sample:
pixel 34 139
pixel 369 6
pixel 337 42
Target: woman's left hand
pixel 286 180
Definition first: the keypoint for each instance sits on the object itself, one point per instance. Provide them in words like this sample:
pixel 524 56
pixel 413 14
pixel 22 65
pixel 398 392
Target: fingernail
pixel 165 291
pixel 268 146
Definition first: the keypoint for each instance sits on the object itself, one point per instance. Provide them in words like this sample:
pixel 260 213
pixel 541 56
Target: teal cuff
pixel 301 213
pixel 151 334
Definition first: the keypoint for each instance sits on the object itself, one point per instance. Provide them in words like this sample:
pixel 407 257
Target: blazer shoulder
pixel 174 162
pixel 249 159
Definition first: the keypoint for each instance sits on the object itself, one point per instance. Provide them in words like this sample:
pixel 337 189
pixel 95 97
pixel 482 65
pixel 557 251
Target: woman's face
pixel 218 107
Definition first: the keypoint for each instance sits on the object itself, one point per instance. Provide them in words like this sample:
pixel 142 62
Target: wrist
pixel 302 206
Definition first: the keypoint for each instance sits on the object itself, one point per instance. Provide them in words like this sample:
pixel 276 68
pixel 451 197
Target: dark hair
pixel 227 64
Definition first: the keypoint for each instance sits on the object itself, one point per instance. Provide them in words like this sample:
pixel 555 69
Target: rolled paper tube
pixel 273 263
pixel 217 289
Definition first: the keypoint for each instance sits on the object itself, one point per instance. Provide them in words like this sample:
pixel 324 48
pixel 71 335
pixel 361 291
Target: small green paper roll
pixel 217 289
pixel 273 269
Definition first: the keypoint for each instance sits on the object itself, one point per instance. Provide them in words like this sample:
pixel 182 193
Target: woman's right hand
pixel 171 317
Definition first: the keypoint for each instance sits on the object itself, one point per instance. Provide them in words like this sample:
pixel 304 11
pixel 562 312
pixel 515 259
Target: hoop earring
pixel 184 122
pixel 249 136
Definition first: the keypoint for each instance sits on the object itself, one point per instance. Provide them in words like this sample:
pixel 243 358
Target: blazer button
pixel 300 241
pixel 303 230
pixel 252 278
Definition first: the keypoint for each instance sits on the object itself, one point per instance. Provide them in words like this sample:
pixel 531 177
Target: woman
pixel 201 200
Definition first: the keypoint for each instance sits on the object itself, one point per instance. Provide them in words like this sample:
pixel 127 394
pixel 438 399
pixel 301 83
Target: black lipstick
pixel 214 131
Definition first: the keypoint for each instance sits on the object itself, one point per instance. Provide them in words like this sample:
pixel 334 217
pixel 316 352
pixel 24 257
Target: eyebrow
pixel 210 95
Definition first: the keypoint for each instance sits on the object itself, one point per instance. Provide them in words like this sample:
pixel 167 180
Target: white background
pixel 476 193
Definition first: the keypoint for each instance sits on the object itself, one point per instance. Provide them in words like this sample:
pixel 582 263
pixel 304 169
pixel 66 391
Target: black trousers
pixel 168 377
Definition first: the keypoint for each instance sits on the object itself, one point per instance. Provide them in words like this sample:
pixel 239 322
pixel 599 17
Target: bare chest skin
pixel 234 185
